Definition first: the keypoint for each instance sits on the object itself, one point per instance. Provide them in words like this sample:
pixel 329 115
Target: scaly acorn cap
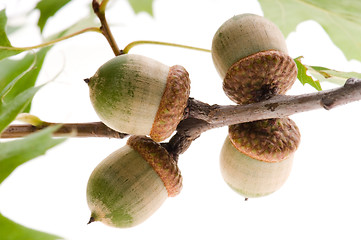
pixel 172 104
pixel 140 96
pixel 259 77
pixel 256 158
pixel 269 140
pixel 161 161
pixel 130 184
pixel 250 54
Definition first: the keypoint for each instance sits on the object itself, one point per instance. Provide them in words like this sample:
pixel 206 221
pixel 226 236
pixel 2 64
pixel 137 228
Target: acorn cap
pixel 172 104
pixel 259 77
pixel 270 140
pixel 161 161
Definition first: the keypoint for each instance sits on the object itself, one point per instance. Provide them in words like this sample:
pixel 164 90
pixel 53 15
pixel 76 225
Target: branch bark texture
pixel 200 117
pixel 93 129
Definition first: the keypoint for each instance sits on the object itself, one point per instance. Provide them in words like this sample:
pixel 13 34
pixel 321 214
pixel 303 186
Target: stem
pixel 93 129
pixel 52 42
pixel 103 6
pixel 140 42
pixel 282 105
pixel 200 117
pixel 99 10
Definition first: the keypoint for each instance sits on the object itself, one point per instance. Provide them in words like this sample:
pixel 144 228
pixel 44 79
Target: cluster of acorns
pixel 142 97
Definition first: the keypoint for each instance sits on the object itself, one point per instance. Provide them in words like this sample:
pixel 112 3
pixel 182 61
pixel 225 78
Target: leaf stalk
pixel 141 42
pixel 52 42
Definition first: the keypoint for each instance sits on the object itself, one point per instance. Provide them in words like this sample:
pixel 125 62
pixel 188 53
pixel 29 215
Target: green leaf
pixel 142 6
pixel 4 41
pixel 9 110
pixel 340 19
pixel 15 153
pixel 6 49
pixel 303 77
pixel 11 76
pixel 16 85
pixel 15 74
pixel 28 68
pixel 47 9
pixel 333 76
pixel 10 230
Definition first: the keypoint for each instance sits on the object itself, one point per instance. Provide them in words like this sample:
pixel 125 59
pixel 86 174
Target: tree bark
pixel 200 117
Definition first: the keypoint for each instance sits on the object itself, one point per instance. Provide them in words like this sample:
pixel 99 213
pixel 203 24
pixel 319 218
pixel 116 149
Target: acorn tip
pixel 92 219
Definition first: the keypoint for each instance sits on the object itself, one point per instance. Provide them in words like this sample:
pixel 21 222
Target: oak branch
pixel 200 117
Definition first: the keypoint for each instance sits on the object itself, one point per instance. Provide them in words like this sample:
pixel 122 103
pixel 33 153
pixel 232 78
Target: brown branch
pixel 93 129
pixel 200 117
pixel 99 10
pixel 278 106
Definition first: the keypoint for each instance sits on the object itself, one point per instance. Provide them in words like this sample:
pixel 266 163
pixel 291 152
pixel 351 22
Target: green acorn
pixel 250 54
pixel 140 96
pixel 256 158
pixel 129 185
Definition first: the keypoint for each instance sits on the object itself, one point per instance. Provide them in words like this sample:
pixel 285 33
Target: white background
pixel 320 200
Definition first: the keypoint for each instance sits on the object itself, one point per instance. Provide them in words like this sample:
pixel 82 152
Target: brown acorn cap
pixel 260 76
pixel 172 104
pixel 270 140
pixel 162 163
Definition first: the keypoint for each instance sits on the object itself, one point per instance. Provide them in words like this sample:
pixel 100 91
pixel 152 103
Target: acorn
pixel 256 158
pixel 140 96
pixel 250 55
pixel 130 184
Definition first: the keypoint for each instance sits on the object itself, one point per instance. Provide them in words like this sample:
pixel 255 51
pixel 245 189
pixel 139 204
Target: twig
pixel 200 117
pixel 52 42
pixel 276 107
pixel 141 42
pixel 93 129
pixel 99 10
